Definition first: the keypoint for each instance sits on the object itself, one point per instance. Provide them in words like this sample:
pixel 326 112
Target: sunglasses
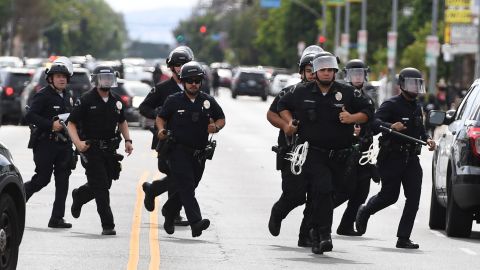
pixel 193 80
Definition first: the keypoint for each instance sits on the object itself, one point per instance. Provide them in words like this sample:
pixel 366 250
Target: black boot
pixel 168 225
pixel 76 205
pixel 362 220
pixel 59 223
pixel 347 230
pixel 325 243
pixel 406 243
pixel 199 226
pixel 304 240
pixel 109 232
pixel 315 236
pixel 274 224
pixel 149 200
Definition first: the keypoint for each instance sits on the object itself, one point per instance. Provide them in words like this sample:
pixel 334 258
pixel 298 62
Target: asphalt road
pixel 236 193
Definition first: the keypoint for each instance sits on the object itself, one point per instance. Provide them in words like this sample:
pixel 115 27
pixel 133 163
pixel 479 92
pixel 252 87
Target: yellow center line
pixel 154 243
pixel 135 233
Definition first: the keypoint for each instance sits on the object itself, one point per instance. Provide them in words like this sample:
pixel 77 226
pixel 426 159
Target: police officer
pixel 397 160
pixel 93 124
pixel 190 116
pixel 52 151
pixel 326 111
pixel 148 108
pixel 294 188
pixel 356 74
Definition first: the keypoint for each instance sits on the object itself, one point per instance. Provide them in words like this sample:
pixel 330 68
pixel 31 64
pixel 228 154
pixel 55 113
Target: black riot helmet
pixel 104 77
pixel 191 69
pixel 61 65
pixel 305 60
pixel 411 82
pixel 356 71
pixel 179 56
pixel 325 60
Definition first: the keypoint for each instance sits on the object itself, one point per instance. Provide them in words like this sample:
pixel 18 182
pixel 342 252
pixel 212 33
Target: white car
pixel 279 82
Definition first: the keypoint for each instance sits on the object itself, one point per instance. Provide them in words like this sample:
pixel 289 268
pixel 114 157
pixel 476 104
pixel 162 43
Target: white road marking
pixel 468 251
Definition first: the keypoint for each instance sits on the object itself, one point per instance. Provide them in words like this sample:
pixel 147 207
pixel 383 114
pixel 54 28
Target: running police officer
pixel 294 188
pixel 326 111
pixel 93 124
pixel 356 74
pixel 189 117
pixel 397 160
pixel 52 150
pixel 149 108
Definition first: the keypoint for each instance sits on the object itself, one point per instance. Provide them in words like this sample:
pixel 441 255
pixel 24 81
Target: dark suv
pixel 12 84
pixel 251 82
pixel 12 210
pixel 455 199
pixel 79 84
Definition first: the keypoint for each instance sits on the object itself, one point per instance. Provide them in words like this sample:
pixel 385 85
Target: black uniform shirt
pixel 96 118
pixel 366 134
pixel 273 108
pixel 157 97
pixel 189 120
pixel 319 114
pixel 47 104
pixel 399 109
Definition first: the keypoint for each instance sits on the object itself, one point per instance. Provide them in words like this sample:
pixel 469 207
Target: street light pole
pixel 363 24
pixel 346 31
pixel 338 14
pixel 394 29
pixel 477 62
pixel 324 18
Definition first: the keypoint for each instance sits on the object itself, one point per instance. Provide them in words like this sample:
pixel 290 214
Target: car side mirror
pixel 450 116
pixel 436 118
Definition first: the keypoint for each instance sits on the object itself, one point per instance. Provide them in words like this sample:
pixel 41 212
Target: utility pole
pixel 346 32
pixel 338 14
pixel 324 18
pixel 393 47
pixel 433 67
pixel 363 34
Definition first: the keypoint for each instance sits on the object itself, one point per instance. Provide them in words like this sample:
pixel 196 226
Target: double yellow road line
pixel 134 253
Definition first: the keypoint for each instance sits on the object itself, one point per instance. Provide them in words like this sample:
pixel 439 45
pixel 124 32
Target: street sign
pixel 270 3
pixel 458 3
pixel 391 48
pixel 335 3
pixel 463 34
pixel 458 16
pixel 362 37
pixel 432 51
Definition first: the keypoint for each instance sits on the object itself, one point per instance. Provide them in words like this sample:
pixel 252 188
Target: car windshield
pixel 79 78
pixel 17 80
pixel 252 76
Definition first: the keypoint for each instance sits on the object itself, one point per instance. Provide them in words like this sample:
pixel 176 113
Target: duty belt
pixel 192 151
pixel 104 144
pixel 329 152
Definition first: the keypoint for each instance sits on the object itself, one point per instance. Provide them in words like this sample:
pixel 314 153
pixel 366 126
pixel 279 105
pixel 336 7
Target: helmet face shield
pixel 323 62
pixel 105 80
pixel 313 49
pixel 414 85
pixel 355 75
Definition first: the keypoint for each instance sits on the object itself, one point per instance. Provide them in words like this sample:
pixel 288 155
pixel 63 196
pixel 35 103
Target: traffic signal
pixel 321 39
pixel 203 29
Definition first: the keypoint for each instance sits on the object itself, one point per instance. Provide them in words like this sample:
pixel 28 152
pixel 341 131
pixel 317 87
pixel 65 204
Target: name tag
pixel 56 107
pixel 340 105
pixel 93 107
pixel 181 111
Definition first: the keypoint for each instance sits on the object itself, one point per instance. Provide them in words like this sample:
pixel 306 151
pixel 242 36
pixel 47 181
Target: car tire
pixel 458 221
pixel 437 212
pixel 9 233
pixel 234 95
pixel 264 98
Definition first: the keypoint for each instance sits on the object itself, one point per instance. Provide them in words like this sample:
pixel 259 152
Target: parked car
pixel 132 94
pixel 279 82
pixel 12 82
pixel 79 84
pixel 12 210
pixel 251 82
pixel 225 76
pixel 10 61
pixel 455 199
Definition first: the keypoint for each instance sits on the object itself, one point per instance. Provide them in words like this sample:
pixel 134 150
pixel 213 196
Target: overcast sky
pixel 153 20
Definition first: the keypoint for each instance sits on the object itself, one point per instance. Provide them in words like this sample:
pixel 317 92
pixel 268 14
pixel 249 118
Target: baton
pixel 82 155
pixel 389 130
pixel 291 139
